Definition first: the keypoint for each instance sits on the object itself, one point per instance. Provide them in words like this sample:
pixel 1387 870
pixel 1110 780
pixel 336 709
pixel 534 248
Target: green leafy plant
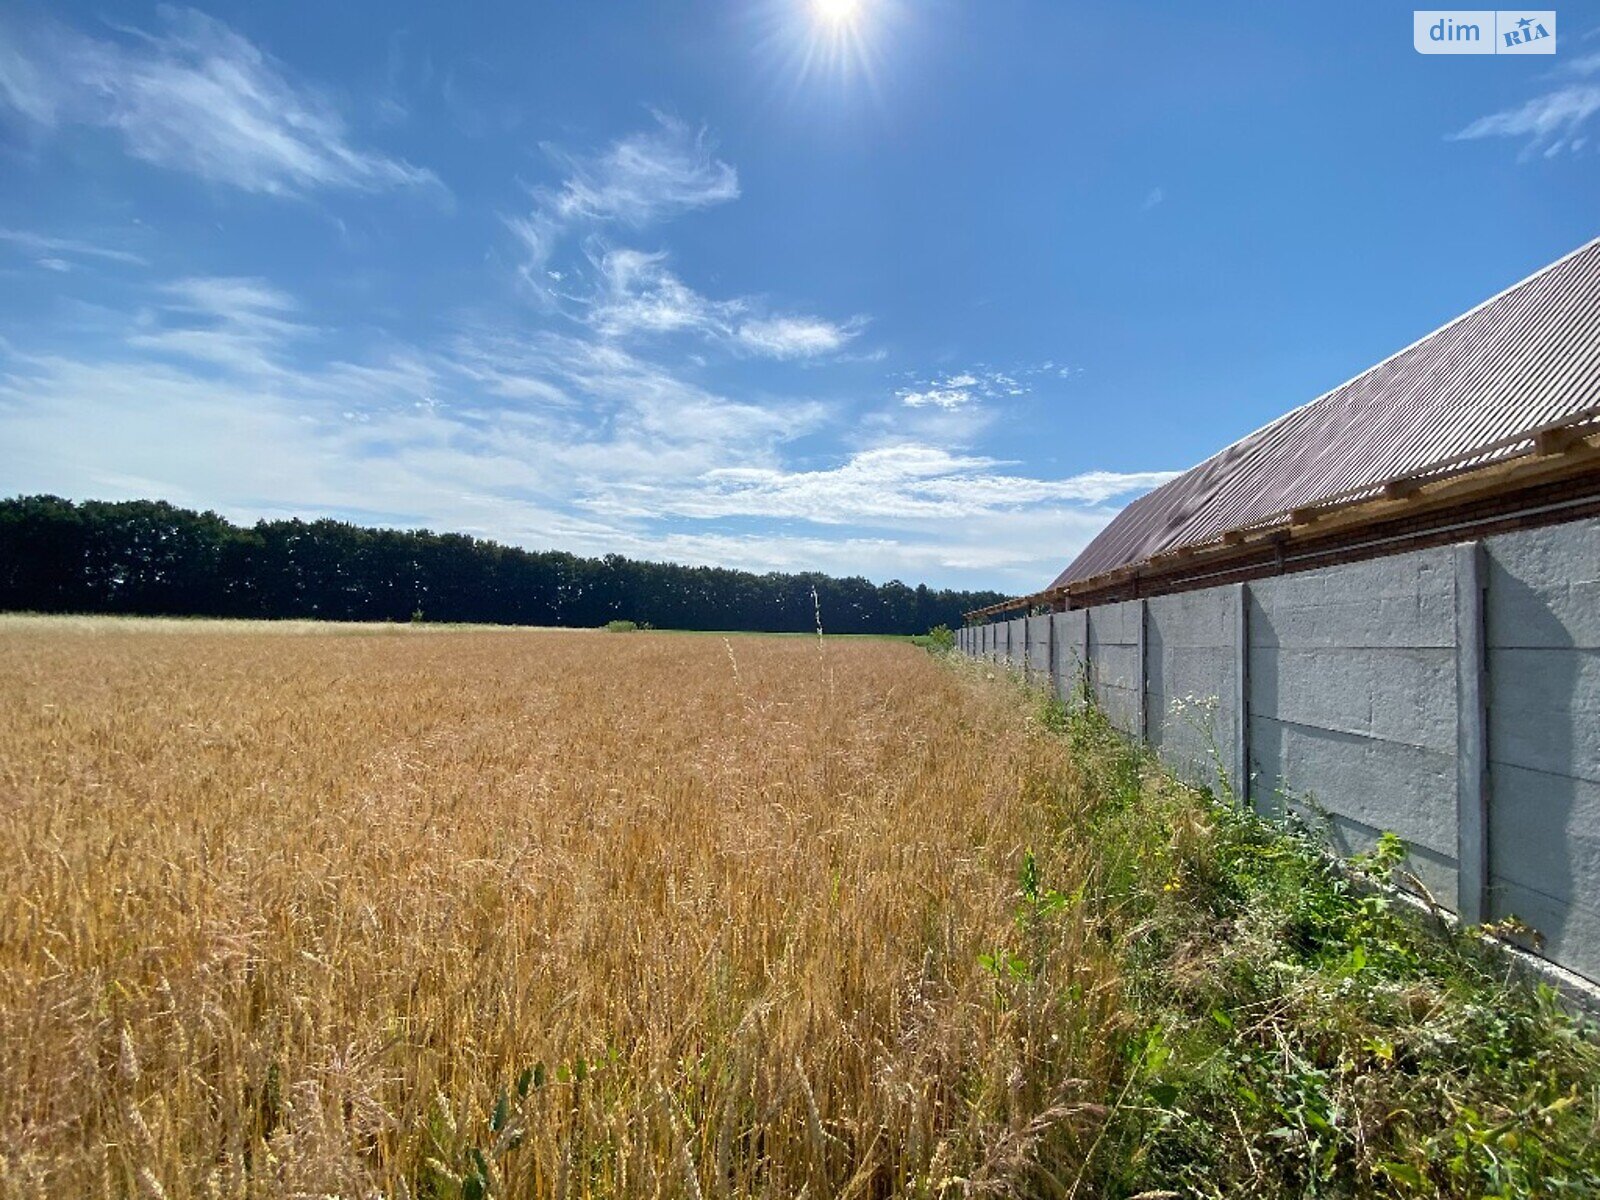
pixel 1296 1030
pixel 466 1162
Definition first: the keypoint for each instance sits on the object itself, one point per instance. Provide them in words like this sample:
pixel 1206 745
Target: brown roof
pixel 1475 391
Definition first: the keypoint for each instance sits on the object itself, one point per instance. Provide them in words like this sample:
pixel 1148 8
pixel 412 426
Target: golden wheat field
pixel 524 913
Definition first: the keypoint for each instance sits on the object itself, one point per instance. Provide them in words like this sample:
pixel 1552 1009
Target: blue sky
pixel 919 290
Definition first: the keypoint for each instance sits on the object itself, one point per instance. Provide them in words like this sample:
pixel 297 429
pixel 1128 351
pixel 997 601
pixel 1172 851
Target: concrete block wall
pixel 1116 673
pixel 1036 656
pixel 1352 702
pixel 1542 635
pixel 1193 676
pixel 1069 664
pixel 1451 695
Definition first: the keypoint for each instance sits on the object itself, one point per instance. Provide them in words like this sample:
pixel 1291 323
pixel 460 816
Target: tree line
pixel 148 557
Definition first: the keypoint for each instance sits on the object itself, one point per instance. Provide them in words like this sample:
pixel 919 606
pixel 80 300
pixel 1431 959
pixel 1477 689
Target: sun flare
pixel 829 40
pixel 835 13
pixel 830 51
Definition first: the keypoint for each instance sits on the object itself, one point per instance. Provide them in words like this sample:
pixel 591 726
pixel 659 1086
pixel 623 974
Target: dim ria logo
pixel 1483 31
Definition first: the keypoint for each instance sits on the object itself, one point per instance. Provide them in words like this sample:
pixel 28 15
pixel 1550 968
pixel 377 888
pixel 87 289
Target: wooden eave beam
pixel 1568 456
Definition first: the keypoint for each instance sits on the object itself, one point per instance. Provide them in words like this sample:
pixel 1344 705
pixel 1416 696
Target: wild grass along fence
pixel 1450 695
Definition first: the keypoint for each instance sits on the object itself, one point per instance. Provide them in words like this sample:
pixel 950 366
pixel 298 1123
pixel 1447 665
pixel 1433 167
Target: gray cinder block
pixel 1451 695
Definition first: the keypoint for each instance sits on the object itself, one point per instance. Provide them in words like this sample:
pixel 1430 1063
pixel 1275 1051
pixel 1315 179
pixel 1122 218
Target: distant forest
pixel 148 557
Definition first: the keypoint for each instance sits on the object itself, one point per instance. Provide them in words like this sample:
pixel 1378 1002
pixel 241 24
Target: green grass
pixel 916 639
pixel 1296 1030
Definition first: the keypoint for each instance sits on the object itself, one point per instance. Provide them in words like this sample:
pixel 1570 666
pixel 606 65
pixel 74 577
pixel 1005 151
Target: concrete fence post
pixel 1050 653
pixel 1141 715
pixel 1052 668
pixel 1472 799
pixel 1088 668
pixel 1241 695
pixel 1027 647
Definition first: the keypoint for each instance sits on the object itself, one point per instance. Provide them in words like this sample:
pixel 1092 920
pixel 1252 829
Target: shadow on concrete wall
pixel 1537 764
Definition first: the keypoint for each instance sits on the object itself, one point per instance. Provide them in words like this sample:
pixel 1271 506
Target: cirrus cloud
pixel 795 337
pixel 908 482
pixel 197 97
pixel 1551 122
pixel 638 295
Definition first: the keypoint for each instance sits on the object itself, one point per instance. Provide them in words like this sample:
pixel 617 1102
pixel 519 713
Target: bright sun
pixel 823 42
pixel 836 12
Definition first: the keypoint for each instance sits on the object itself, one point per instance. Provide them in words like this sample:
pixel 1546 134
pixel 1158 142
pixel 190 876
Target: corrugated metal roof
pixel 1469 393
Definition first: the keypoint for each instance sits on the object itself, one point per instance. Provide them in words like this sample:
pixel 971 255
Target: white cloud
pixel 889 484
pixel 197 97
pixel 229 297
pixel 795 337
pixel 952 428
pixel 641 178
pixel 51 249
pixel 203 396
pixel 241 324
pixel 1004 554
pixel 650 411
pixel 938 397
pixel 1584 64
pixel 1549 123
pixel 539 235
pixel 506 366
pixel 408 438
pixel 951 392
pixel 638 295
pixel 24 86
pixel 622 292
pixel 908 511
pixel 131 428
